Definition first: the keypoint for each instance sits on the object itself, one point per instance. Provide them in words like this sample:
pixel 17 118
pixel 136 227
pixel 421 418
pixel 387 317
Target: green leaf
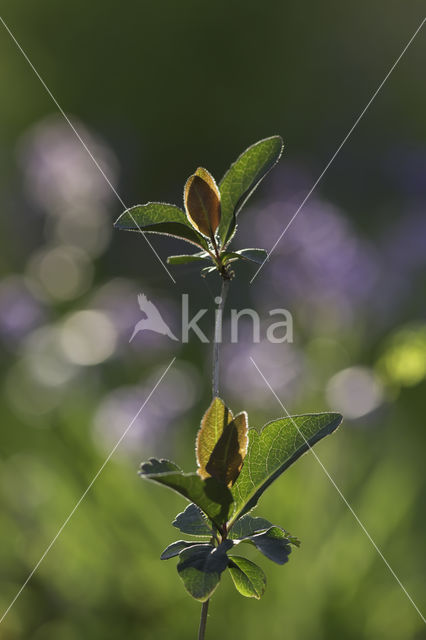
pixel 248 526
pixel 242 178
pixel 221 443
pixel 184 259
pixel 200 568
pixel 193 522
pixel 249 579
pixel 273 543
pixel 270 452
pixel 175 548
pixel 159 217
pixel 213 497
pixel 248 255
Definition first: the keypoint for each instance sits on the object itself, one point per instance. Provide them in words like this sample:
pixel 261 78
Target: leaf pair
pixel 200 567
pixel 229 481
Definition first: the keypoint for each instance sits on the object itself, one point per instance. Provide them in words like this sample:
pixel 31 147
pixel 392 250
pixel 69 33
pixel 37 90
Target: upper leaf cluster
pixel 209 217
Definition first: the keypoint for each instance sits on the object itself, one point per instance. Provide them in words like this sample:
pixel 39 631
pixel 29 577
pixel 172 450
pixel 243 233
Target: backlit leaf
pixel 242 178
pixel 249 579
pixel 270 452
pixel 257 256
pixel 221 443
pixel 159 217
pixel 200 568
pixel 202 202
pixel 202 256
pixel 193 522
pixel 228 455
pixel 213 422
pixel 212 496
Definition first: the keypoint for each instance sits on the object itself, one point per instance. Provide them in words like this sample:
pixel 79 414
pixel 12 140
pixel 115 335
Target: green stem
pixel 218 336
pixel 203 620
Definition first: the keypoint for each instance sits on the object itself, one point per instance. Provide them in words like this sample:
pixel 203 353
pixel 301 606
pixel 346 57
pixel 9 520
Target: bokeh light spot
pixel 88 337
pixel 354 392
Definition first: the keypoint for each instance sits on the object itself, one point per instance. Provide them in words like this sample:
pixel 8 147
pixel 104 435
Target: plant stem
pixel 218 336
pixel 203 620
pixel 215 389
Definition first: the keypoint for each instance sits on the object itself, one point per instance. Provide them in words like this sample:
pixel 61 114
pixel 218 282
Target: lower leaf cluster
pixel 201 564
pixel 236 465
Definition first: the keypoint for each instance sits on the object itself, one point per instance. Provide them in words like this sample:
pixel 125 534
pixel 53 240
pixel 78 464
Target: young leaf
pixel 213 422
pixel 242 178
pixel 248 578
pixel 184 259
pixel 270 452
pixel 257 256
pixel 212 496
pixel 273 543
pixel 200 568
pixel 202 202
pixel 159 217
pixel 175 548
pixel 193 522
pixel 228 455
pixel 221 443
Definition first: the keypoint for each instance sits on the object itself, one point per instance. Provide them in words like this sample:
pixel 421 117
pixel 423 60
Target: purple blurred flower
pixel 58 170
pixel 20 311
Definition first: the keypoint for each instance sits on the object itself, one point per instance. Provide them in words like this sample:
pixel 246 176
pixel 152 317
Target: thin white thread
pixel 342 496
pixel 345 139
pixel 86 148
pixel 78 503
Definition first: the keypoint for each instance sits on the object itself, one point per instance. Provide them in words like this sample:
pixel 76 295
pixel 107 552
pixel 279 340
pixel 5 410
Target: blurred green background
pixel 155 90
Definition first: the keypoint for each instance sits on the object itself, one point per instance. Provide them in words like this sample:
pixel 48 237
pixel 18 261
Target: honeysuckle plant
pixel 234 464
pixel 209 217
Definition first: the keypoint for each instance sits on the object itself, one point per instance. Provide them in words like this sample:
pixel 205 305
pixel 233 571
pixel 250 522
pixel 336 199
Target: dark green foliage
pixel 200 567
pixel 193 522
pixel 273 544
